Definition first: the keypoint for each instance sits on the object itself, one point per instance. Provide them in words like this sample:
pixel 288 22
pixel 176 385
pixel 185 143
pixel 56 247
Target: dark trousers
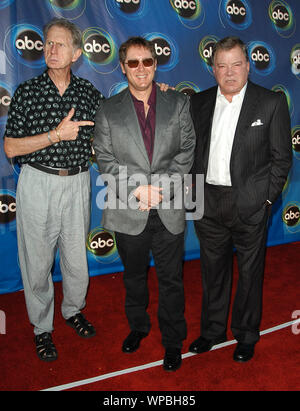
pixel 219 232
pixel 167 250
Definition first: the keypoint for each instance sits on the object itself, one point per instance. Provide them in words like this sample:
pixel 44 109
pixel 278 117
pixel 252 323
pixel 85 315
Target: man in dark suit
pixel 244 149
pixel 144 138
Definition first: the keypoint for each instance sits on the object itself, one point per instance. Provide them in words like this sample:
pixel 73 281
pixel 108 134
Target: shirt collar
pixel 152 97
pixel 239 96
pixel 73 78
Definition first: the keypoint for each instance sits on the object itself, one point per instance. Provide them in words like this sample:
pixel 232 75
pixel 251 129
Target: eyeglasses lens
pixel 146 63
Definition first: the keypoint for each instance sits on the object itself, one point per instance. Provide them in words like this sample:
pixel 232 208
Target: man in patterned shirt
pixel 49 128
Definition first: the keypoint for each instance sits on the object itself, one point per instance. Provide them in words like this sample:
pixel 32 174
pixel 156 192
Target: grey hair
pixel 228 43
pixel 75 31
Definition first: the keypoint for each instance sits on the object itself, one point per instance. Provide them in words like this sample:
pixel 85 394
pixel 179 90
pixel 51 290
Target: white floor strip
pixel 155 363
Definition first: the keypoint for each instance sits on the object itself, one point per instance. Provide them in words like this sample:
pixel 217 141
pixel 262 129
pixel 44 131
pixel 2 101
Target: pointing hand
pixel 68 129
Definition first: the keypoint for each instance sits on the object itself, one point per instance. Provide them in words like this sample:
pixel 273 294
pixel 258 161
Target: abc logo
pixel 296 141
pixel 261 57
pixel 102 243
pixel 162 50
pixel 5 100
pixel 236 11
pixel 296 59
pixel 281 16
pixel 185 8
pixel 207 52
pixel 291 215
pixel 63 4
pixel 97 48
pixel 188 91
pixel 7 208
pixel 129 6
pixel 29 45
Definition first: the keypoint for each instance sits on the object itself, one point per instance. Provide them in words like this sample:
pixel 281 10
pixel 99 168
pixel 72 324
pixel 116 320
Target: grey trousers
pixel 52 211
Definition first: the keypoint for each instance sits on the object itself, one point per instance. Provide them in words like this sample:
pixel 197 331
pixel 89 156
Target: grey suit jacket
pixel 123 161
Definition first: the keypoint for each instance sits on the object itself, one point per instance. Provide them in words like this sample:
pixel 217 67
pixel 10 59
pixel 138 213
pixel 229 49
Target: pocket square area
pixel 258 122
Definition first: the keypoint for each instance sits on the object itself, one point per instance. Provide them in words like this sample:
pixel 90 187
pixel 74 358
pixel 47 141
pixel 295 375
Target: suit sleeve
pixel 281 148
pixel 112 172
pixel 182 162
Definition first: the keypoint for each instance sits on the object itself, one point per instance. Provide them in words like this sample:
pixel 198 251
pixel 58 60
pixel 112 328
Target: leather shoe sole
pixel 202 345
pixel 172 359
pixel 132 341
pixel 243 352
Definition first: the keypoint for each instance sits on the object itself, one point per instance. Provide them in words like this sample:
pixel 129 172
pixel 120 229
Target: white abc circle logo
pixel 7 208
pixel 62 3
pixel 281 16
pixel 292 215
pixel 5 100
pixel 236 11
pixel 129 1
pixel 233 9
pixel 29 45
pixel 162 50
pixel 128 6
pixel 296 59
pixel 207 52
pixel 102 243
pixel 258 56
pixel 261 57
pixel 296 141
pixel 185 4
pixel 97 48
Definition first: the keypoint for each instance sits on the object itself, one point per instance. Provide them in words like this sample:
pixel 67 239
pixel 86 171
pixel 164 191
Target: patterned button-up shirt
pixel 37 107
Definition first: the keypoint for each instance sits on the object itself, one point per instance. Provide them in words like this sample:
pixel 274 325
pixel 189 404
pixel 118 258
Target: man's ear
pixel 76 55
pixel 123 68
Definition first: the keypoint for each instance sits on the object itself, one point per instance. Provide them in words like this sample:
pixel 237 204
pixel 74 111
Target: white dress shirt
pixel 225 119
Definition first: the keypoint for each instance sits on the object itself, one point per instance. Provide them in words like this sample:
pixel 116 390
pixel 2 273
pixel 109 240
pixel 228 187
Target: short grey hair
pixel 75 31
pixel 228 43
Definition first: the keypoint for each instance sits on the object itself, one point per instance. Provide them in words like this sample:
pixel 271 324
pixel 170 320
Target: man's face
pixel 58 50
pixel 139 78
pixel 231 71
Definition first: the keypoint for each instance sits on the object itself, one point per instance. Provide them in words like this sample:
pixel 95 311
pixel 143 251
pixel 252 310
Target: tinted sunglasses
pixel 134 63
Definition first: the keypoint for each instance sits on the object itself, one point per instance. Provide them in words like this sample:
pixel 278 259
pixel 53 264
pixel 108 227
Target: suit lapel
pixel 128 115
pixel 164 111
pixel 207 115
pixel 246 116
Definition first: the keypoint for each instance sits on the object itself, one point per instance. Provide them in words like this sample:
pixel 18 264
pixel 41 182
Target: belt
pixel 59 171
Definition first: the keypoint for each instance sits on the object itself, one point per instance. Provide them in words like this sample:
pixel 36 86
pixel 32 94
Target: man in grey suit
pixel 244 147
pixel 144 138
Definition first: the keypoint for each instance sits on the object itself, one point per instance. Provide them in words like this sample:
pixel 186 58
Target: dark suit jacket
pixel 261 153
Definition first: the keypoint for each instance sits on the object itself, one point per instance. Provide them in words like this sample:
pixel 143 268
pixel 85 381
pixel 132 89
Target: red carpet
pixel 275 366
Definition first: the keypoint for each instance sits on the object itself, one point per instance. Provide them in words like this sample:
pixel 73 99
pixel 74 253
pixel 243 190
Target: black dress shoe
pixel 243 352
pixel 203 345
pixel 132 341
pixel 172 359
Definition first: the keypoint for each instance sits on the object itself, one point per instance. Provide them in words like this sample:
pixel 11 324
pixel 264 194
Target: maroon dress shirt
pixel 147 124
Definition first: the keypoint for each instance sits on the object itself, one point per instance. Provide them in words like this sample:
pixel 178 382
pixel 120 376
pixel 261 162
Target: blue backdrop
pixel 183 32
